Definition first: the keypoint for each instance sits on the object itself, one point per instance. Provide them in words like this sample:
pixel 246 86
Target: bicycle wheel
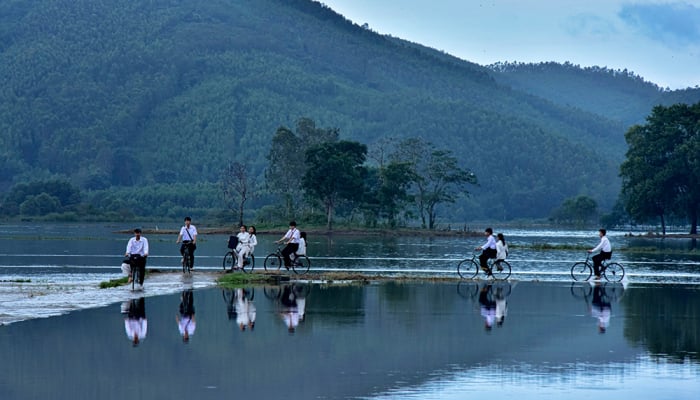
pixel 249 264
pixel 467 269
pixel 190 263
pixel 301 265
pixel 581 290
pixel 272 293
pixel 614 272
pixel 272 262
pixel 229 261
pixel 228 296
pixel 468 290
pixel 301 290
pixel 581 271
pixel 500 270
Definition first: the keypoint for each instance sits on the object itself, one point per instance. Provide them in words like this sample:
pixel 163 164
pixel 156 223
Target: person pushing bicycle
pixel 605 252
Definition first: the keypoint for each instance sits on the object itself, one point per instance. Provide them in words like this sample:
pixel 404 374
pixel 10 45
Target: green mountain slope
pixel 123 92
pixel 616 95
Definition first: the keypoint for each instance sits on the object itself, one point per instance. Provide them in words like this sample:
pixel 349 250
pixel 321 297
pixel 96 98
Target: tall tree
pixel 662 168
pixel 438 177
pixel 237 185
pixel 285 169
pixel 335 172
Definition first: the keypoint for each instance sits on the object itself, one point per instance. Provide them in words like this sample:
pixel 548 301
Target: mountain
pixel 617 95
pixel 126 93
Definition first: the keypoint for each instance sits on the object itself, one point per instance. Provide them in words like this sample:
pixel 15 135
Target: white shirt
pixel 188 233
pixel 292 234
pixel 137 327
pixel 243 238
pixel 137 246
pixel 252 242
pixel 490 243
pixel 501 250
pixel 302 247
pixel 604 245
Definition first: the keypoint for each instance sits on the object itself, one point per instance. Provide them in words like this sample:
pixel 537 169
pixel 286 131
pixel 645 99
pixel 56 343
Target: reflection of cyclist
pixel 600 308
pixel 135 323
pixel 188 235
pixel 293 301
pixel 488 307
pixel 291 239
pixel 245 310
pixel 488 250
pixel 137 251
pixel 605 252
pixel 186 323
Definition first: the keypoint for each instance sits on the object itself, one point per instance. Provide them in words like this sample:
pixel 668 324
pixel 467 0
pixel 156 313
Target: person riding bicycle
pixel 301 251
pixel 605 252
pixel 137 251
pixel 292 243
pixel 188 236
pixel 488 250
pixel 243 248
pixel 501 250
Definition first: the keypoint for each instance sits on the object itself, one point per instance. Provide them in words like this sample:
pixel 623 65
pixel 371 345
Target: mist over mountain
pixel 123 93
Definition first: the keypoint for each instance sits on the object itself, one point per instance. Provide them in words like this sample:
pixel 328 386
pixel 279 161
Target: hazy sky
pixel 656 39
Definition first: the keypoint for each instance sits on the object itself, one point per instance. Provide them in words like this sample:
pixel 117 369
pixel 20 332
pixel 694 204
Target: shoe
pixel 597 278
pixel 500 268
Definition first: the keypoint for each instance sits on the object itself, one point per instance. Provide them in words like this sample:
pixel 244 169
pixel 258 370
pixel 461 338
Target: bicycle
pixel 135 262
pixel 231 262
pixel 300 264
pixel 582 270
pixel 295 290
pixel 470 267
pixel 187 259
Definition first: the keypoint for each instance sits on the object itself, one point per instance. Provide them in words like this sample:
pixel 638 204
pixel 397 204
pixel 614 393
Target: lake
pixel 538 335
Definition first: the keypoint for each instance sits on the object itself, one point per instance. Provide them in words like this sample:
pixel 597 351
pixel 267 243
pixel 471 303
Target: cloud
pixel 675 25
pixel 589 25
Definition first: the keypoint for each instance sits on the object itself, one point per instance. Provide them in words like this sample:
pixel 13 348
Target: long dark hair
pixel 501 238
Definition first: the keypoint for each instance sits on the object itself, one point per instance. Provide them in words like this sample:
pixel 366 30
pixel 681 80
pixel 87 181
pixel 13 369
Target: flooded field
pixel 537 335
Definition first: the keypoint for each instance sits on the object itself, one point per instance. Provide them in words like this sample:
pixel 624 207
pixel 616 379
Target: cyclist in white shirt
pixel 291 239
pixel 137 251
pixel 188 236
pixel 605 252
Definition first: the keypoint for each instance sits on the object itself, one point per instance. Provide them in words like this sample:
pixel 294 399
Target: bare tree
pixel 237 185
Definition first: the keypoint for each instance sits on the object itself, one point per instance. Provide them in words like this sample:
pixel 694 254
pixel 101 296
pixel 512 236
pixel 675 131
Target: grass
pixel 114 282
pixel 16 281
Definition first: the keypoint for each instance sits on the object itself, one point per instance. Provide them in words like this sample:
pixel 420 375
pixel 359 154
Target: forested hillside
pixel 617 95
pixel 123 93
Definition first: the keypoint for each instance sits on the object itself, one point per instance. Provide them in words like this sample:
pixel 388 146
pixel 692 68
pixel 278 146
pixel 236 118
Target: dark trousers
pixel 485 255
pixel 289 249
pixel 598 259
pixel 192 247
pixel 138 261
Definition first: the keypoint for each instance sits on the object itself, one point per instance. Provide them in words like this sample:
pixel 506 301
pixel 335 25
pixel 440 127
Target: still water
pixel 537 336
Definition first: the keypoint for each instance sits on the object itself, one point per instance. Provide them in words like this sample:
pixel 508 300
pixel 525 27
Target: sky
pixel 658 40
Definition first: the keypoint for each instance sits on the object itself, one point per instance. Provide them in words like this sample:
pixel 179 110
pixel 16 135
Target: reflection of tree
pixel 664 320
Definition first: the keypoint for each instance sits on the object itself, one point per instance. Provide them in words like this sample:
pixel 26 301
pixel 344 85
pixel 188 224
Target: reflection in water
pixel 600 307
pixel 240 307
pixel 493 299
pixel 398 340
pixel 135 322
pixel 186 323
pixel 245 309
pixel 291 301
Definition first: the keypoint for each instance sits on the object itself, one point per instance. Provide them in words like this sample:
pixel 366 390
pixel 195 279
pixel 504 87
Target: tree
pixel 237 185
pixel 437 176
pixel 662 168
pixel 335 172
pixel 576 210
pixel 284 171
